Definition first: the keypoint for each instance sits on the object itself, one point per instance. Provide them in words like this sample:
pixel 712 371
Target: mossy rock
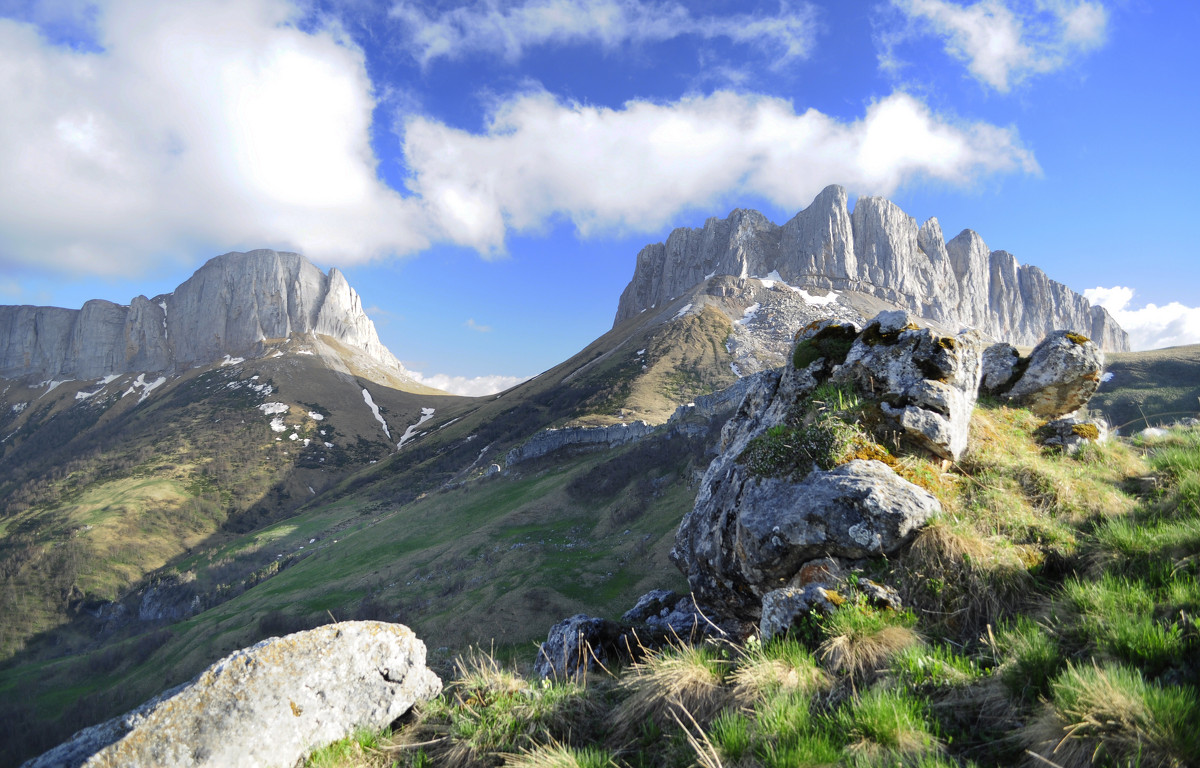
pixel 1086 431
pixel 832 343
pixel 874 336
pixel 1078 338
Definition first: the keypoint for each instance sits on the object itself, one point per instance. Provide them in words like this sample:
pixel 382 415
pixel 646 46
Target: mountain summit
pixel 877 250
pixel 233 305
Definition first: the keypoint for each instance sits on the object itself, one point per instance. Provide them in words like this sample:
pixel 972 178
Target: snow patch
pixel 328 445
pixel 375 410
pixel 710 275
pixel 293 436
pixel 18 407
pixel 277 425
pixel 683 311
pixel 277 353
pixel 305 352
pixel 315 416
pixel 817 301
pixel 749 314
pixel 232 361
pixel 146 386
pixel 1108 376
pixel 736 371
pixel 641 352
pixel 409 434
pixel 271 409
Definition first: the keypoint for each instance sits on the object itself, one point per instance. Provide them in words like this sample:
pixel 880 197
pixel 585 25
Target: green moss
pixel 832 343
pixel 1086 431
pixel 873 336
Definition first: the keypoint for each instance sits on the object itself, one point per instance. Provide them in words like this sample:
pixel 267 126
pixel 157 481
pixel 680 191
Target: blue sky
pixel 485 172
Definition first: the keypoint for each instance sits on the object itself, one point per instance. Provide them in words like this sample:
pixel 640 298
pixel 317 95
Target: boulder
pixel 1001 367
pixel 1062 375
pixel 748 535
pixel 269 704
pixel 787 607
pixel 575 645
pixel 927 384
pixel 1072 432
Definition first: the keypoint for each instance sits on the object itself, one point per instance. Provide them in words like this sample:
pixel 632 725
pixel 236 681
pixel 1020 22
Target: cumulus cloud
pixel 198 123
pixel 1151 326
pixel 474 326
pixel 1003 42
pixel 221 124
pixel 508 30
pixel 635 168
pixel 476 386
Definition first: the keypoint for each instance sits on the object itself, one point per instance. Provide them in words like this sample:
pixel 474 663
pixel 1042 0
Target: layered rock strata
pixel 231 306
pixel 878 250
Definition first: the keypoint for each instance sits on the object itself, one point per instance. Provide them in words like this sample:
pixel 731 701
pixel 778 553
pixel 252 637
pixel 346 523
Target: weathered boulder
pixel 859 509
pixel 1062 375
pixel 267 705
pixel 1072 432
pixel 750 534
pixel 671 616
pixel 787 607
pixel 927 384
pixel 1001 367
pixel 575 645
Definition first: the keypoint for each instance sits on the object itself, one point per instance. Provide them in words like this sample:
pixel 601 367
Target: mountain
pixel 235 305
pixel 876 251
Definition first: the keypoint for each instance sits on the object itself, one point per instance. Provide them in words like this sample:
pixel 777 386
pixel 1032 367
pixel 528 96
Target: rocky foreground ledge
pixel 266 705
pixel 807 486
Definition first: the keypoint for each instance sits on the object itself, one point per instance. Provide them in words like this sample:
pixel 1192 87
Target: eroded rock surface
pixel 877 250
pixel 267 705
pixel 1063 373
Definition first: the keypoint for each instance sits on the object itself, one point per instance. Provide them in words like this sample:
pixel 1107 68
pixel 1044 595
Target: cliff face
pixel 230 306
pixel 877 250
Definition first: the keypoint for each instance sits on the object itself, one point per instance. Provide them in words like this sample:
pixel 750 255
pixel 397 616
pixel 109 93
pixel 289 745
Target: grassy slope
pixel 1058 626
pixel 1150 388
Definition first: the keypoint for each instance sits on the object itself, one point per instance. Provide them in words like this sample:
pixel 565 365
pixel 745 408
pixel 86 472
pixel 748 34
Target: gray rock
pixel 880 251
pixel 1000 369
pixel 550 440
pixel 654 604
pixel 782 608
pixel 575 645
pixel 748 535
pixel 267 705
pixel 232 305
pixel 1072 432
pixel 859 509
pixel 928 384
pixel 1063 373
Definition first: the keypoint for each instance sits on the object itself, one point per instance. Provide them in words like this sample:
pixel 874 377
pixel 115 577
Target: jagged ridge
pixel 877 250
pixel 230 306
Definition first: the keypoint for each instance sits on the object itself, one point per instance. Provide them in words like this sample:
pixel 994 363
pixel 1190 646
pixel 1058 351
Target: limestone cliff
pixel 877 250
pixel 231 306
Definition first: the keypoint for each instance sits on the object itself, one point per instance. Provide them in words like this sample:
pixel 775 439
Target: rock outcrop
pixel 880 251
pixel 230 306
pixel 267 705
pixel 550 440
pixel 803 481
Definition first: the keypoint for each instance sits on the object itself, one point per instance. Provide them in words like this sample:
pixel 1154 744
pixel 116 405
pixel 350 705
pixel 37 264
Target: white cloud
pixel 476 386
pixel 474 326
pixel 636 168
pixel 1003 42
pixel 218 124
pixel 198 123
pixel 1151 326
pixel 507 30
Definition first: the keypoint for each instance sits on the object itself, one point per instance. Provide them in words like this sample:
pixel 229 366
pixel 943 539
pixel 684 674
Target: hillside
pixel 1147 389
pixel 1051 621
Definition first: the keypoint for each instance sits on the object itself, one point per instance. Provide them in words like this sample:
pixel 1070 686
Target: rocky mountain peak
pixel 877 250
pixel 235 304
